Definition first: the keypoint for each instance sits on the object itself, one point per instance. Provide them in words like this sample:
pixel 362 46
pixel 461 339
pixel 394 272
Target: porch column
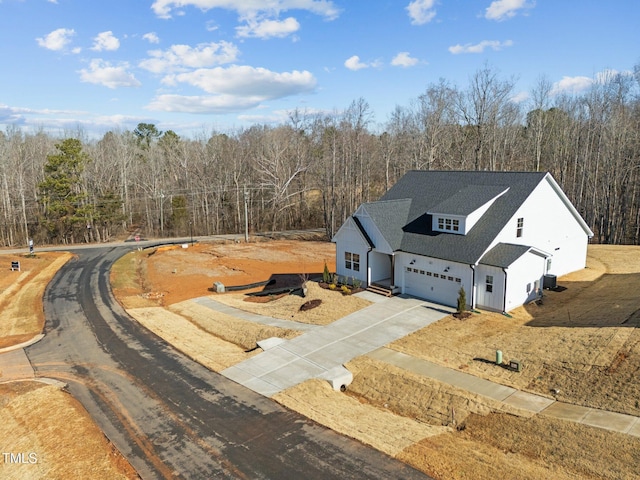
pixel 393 270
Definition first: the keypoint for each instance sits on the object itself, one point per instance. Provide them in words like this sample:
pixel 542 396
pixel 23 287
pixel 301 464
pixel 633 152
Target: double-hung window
pixel 489 284
pixel 520 227
pixel 352 261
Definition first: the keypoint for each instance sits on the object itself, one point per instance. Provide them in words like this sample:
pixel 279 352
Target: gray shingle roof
pixel 468 199
pixel 390 216
pixel 421 191
pixel 504 254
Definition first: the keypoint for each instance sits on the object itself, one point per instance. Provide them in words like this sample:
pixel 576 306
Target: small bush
pixel 462 300
pixel 346 290
pixel 332 286
pixel 326 275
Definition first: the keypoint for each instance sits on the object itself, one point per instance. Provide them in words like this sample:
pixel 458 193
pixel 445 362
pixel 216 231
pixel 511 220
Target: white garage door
pixel 432 286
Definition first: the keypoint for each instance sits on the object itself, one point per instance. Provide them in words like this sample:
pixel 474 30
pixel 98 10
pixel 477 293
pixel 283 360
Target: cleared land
pixel 581 340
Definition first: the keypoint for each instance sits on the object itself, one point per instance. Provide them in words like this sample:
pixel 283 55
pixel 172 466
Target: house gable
pixel 383 221
pixel 547 220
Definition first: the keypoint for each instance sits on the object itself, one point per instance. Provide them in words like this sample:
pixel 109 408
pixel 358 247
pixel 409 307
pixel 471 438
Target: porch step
pixel 379 290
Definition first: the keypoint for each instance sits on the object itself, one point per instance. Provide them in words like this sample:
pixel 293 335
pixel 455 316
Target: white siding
pixel 350 239
pixel 523 278
pixel 550 227
pixel 372 230
pixel 489 300
pixel 379 265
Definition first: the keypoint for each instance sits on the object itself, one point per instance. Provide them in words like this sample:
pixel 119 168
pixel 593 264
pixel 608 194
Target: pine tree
pixel 62 194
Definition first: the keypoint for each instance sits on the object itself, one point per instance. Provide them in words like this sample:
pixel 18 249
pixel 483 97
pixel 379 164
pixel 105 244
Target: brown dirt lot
pixel 172 274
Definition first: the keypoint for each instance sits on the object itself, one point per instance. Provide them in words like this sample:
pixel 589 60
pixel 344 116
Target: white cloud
pixel 403 59
pixel 421 11
pixel 103 73
pixel 268 28
pixel 354 63
pixel 248 82
pixel 503 9
pixel 209 104
pixel 480 47
pixel 181 57
pixel 151 37
pixel 249 8
pixel 571 85
pixel 520 97
pixel 105 41
pixel 56 40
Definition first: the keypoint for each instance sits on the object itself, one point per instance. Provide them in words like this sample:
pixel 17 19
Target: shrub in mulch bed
pixel 338 288
pixel 265 298
pixel 310 304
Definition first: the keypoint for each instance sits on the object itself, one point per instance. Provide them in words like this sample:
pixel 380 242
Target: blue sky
pixel 194 66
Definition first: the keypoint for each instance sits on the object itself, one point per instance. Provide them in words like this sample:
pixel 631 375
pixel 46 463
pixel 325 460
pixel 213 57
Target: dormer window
pixel 458 213
pixel 448 224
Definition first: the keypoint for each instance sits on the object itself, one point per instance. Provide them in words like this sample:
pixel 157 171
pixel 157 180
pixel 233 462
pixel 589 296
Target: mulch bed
pixel 339 288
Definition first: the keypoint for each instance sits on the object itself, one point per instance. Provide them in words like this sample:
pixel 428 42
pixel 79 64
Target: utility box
pixel 218 287
pixel 515 365
pixel 549 282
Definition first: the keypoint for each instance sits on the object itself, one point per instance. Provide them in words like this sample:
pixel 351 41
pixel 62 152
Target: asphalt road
pixel 171 417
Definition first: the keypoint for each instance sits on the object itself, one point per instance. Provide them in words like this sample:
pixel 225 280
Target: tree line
pixel 314 170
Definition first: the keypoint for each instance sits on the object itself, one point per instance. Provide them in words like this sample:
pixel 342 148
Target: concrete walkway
pixel 317 352
pixel 530 402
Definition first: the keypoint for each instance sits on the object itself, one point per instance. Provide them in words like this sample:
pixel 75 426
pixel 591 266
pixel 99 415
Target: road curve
pixel 168 415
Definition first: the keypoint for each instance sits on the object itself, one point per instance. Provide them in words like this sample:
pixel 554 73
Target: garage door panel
pixel 432 286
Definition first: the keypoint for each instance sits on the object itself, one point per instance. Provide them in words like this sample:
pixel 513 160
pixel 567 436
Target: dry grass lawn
pixel 51 425
pixel 583 341
pixel 21 315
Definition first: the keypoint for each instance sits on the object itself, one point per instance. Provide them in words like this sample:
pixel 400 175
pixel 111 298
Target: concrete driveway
pixel 314 354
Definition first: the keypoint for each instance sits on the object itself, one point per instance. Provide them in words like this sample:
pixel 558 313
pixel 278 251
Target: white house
pixel 499 235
